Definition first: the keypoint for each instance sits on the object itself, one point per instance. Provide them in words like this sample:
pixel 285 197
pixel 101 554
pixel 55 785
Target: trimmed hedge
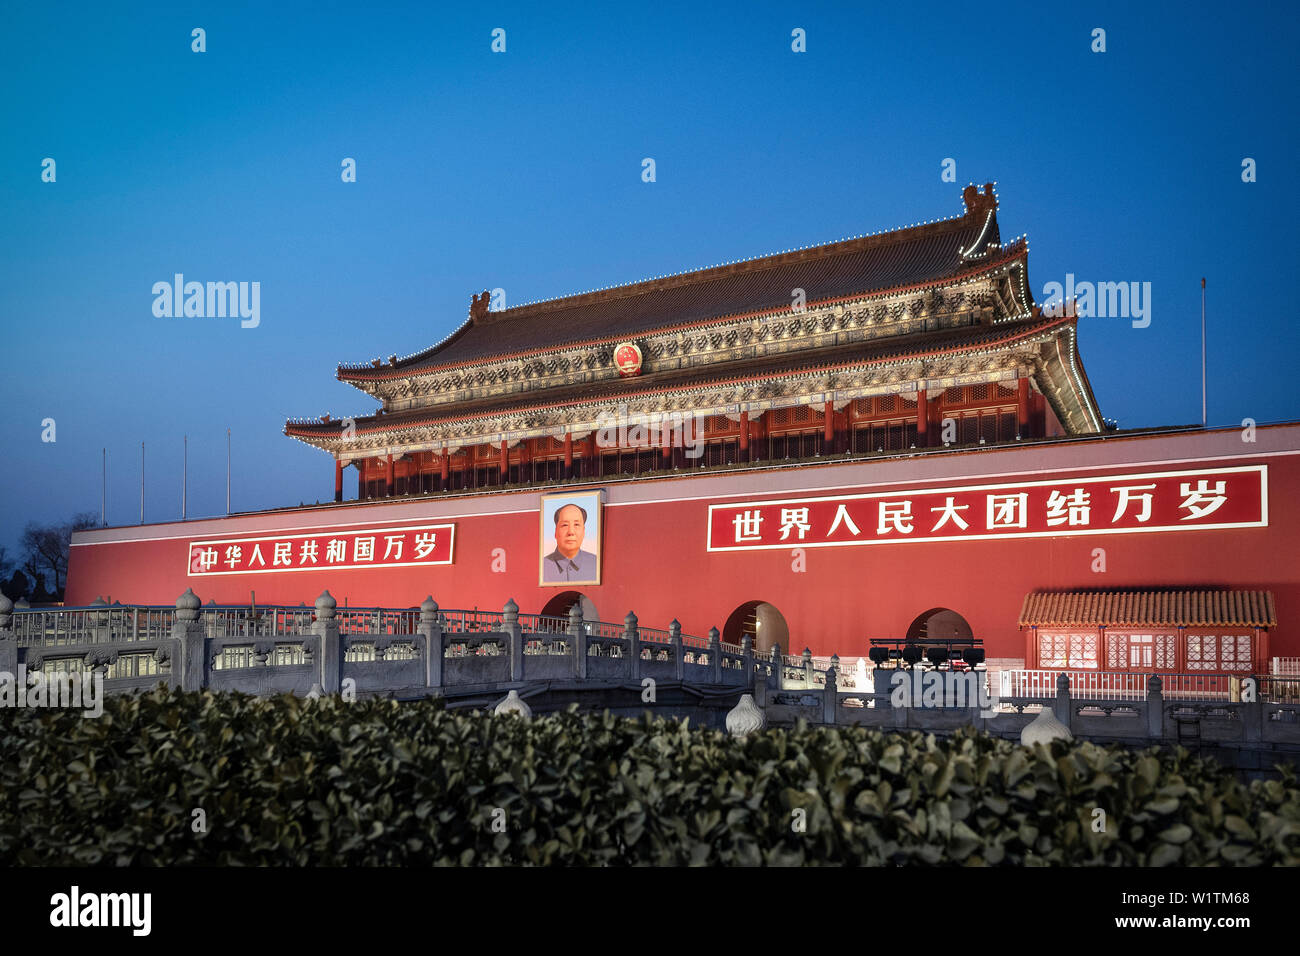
pixel 297 782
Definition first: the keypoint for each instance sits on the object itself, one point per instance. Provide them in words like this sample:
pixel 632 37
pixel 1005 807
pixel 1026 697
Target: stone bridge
pixel 476 659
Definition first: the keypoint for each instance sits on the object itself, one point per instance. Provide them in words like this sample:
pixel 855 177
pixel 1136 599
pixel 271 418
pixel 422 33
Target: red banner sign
pixel 1112 504
pixel 369 548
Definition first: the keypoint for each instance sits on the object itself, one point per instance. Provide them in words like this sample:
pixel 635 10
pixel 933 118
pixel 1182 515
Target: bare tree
pixel 46 547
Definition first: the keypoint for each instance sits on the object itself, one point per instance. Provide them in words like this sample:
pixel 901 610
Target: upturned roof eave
pixel 373 424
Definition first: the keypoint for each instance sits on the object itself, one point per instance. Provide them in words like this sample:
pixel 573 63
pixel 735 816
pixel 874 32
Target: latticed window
pixel 287 655
pixel 781 416
pixel 970 428
pixel 1218 653
pixel 359 652
pixel 63 665
pixel 1116 651
pixel 1067 651
pixel 1141 651
pixel 1007 426
pixel 400 652
pixel 954 395
pixel 862 406
pixel 133 665
pixel 888 403
pixel 1235 652
pixel 1005 391
pixel 989 428
pixel 232 658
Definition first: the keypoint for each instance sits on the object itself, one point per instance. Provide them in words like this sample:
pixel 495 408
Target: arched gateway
pixel 764 624
pixel 939 623
pixel 559 605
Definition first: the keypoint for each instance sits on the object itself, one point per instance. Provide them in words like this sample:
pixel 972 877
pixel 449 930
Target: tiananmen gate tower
pixel 884 436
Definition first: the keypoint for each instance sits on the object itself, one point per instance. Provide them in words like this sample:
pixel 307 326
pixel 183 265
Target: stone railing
pixel 327 649
pixel 1260 717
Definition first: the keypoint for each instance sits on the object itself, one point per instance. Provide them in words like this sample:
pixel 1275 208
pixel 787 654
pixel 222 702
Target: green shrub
pixel 298 782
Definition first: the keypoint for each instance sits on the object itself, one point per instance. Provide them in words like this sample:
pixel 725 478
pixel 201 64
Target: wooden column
pixel 828 436
pixel 744 436
pixel 444 471
pixel 665 443
pixel 338 480
pixel 922 420
pixel 392 477
pixel 505 462
pixel 568 454
pixel 1022 407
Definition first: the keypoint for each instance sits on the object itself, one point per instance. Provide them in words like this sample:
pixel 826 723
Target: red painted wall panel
pixel 655 560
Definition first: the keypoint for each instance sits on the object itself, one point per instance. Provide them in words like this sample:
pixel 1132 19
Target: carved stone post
pixel 8 638
pixel 715 655
pixel 747 659
pixel 1252 712
pixel 510 623
pixel 808 679
pixel 434 644
pixel 326 630
pixel 1061 707
pixel 1155 707
pixel 675 635
pixel 830 696
pixel 98 621
pixel 778 667
pixel 633 638
pixel 190 645
pixel 579 635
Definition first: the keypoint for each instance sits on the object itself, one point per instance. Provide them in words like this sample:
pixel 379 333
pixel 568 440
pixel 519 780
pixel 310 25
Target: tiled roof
pixel 899 259
pixel 1166 608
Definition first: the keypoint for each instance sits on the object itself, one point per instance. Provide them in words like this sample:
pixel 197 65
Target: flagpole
pixel 142 482
pixel 1203 385
pixel 227 471
pixel 185 470
pixel 103 492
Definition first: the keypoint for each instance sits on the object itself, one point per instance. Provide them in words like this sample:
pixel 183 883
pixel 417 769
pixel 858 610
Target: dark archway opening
pixel 939 623
pixel 764 624
pixel 559 605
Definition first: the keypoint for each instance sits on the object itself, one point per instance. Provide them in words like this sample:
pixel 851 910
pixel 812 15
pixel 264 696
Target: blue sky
pixel 522 170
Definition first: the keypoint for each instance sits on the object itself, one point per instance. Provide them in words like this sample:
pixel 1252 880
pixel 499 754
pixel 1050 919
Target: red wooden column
pixel 744 436
pixel 338 480
pixel 444 471
pixel 568 454
pixel 666 442
pixel 828 437
pixel 392 477
pixel 505 462
pixel 1022 406
pixel 922 420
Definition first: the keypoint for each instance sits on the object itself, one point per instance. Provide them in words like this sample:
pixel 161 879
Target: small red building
pixel 879 437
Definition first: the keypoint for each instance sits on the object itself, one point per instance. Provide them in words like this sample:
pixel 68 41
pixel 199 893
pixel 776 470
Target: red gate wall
pixel 655 559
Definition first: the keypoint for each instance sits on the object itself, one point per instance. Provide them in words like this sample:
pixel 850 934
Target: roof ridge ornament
pixel 478 307
pixel 977 202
